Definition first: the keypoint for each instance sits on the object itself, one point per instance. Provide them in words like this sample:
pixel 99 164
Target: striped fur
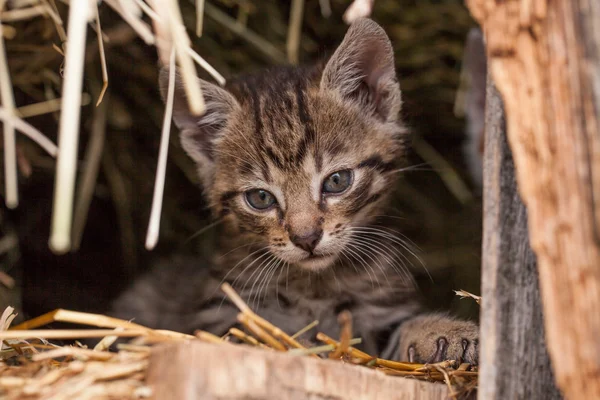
pixel 285 131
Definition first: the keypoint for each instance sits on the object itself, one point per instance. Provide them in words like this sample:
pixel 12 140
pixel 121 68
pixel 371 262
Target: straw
pixel 159 184
pixel 8 103
pixel 68 135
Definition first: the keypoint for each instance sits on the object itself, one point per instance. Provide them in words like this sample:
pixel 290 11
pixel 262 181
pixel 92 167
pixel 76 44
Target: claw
pixel 411 354
pixel 440 352
pixel 465 344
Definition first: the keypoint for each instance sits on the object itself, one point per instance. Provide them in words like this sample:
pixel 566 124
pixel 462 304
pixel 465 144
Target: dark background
pixel 428 37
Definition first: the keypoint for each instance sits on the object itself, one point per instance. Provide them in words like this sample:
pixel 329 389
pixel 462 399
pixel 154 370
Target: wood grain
pixel 544 57
pixel 198 370
pixel 514 359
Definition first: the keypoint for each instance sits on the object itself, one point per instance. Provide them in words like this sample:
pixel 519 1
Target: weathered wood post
pixel 544 57
pixel 514 359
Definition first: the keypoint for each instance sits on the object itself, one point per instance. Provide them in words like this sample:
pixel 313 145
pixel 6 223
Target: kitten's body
pixel 299 165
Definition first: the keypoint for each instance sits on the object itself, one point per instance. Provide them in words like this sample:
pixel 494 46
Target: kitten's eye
pixel 260 199
pixel 337 182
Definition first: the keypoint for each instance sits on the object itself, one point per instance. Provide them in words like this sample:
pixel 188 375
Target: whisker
pixel 385 234
pixel 239 262
pixel 202 230
pixel 277 284
pixel 258 270
pixel 241 273
pixel 232 269
pixel 390 216
pixel 287 275
pixel 271 268
pixel 249 266
pixel 363 263
pixel 270 276
pixel 364 252
pixel 415 167
pixel 391 255
pixel 237 248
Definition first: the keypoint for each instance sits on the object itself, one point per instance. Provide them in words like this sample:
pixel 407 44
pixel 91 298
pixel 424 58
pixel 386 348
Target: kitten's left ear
pixel 200 133
pixel 362 70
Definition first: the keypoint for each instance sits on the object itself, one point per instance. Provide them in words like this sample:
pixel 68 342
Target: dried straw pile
pixel 34 368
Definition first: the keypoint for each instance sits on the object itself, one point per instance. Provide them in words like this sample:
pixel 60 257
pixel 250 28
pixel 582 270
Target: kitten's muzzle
pixel 308 242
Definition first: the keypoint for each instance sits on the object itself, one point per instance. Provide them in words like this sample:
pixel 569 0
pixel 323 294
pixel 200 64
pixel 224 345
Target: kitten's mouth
pixel 316 262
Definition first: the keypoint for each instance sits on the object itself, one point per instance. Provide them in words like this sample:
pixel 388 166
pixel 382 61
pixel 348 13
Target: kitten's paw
pixel 436 338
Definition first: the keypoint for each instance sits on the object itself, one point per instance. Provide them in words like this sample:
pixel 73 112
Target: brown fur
pixel 286 131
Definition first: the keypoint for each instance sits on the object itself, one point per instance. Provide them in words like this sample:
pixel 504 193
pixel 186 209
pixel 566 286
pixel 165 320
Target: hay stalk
pixel 159 184
pixel 10 145
pixel 93 158
pixel 295 31
pixel 29 131
pixel 199 17
pixel 102 56
pixel 68 134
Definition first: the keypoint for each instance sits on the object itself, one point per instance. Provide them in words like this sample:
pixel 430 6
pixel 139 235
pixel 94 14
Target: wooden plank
pixel 544 57
pixel 198 370
pixel 514 358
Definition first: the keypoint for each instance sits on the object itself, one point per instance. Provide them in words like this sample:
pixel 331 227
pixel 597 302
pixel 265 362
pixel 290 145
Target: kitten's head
pixel 299 159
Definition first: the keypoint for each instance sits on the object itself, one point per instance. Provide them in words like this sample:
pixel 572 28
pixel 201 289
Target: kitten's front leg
pixel 437 337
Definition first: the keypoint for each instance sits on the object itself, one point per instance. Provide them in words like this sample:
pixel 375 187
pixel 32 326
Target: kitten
pixel 299 164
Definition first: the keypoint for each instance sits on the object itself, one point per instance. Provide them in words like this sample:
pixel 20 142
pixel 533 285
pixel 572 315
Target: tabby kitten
pixel 299 164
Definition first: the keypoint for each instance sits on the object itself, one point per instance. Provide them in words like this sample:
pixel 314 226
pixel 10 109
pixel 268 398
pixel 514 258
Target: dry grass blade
pixel 159 184
pixel 244 337
pixel 58 23
pixel 295 31
pixel 107 341
pixel 208 337
pixel 93 157
pixel 141 28
pixel 29 131
pixel 76 317
pixel 321 349
pixel 432 367
pixel 10 145
pixel 270 328
pixel 68 136
pixel 206 66
pixel 5 320
pixel 45 107
pixel 263 335
pixel 305 329
pixel 199 16
pixel 447 173
pixel 325 8
pixel 345 321
pixel 20 14
pixel 75 352
pixel 464 294
pixel 173 26
pixel 102 56
pixel 352 351
pixel 264 46
pixel 69 333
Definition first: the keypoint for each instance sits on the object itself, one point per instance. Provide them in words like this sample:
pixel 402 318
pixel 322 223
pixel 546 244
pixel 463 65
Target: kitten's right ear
pixel 199 133
pixel 362 70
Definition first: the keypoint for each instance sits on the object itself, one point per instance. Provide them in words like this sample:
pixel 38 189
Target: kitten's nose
pixel 307 242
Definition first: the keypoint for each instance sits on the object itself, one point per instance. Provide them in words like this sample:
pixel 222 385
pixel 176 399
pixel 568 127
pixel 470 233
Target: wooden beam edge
pixel 198 370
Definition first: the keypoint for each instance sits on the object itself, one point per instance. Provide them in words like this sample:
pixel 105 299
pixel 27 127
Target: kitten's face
pixel 298 160
pixel 302 186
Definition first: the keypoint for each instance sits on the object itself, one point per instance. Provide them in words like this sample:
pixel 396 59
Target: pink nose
pixel 307 242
